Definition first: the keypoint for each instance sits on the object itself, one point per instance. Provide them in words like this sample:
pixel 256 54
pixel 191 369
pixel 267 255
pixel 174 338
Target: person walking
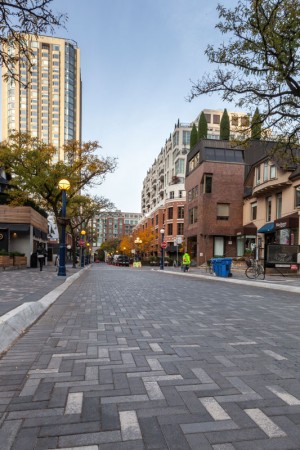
pixel 41 254
pixel 186 260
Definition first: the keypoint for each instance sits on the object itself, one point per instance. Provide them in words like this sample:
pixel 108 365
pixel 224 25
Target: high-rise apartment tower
pixel 47 100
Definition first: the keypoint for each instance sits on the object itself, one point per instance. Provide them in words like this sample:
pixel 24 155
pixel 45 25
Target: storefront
pixel 286 230
pixel 246 239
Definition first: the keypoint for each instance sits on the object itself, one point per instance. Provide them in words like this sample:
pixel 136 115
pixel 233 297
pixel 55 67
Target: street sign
pixel 163 244
pixel 179 240
pixel 81 242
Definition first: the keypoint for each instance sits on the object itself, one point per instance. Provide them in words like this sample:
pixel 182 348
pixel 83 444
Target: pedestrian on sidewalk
pixel 186 260
pixel 41 254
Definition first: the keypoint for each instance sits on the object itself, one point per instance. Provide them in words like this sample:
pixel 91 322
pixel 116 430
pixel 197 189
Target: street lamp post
pixel 83 233
pixel 138 242
pixel 162 259
pixel 88 250
pixel 64 186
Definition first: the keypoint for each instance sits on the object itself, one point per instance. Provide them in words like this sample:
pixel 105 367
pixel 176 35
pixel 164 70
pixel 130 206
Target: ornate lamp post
pixel 64 186
pixel 83 233
pixel 138 242
pixel 162 258
pixel 88 252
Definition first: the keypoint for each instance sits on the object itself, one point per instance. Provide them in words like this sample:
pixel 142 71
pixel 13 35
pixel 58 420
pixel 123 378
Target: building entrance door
pixel 219 246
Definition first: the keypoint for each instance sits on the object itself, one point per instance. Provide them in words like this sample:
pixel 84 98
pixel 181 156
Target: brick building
pixel 214 208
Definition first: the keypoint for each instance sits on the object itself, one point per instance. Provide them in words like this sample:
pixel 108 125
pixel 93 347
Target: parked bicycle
pixel 254 270
pixel 209 267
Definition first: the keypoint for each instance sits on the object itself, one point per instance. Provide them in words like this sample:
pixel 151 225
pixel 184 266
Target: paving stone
pixel 174 437
pixel 187 369
pixel 152 434
pixel 26 439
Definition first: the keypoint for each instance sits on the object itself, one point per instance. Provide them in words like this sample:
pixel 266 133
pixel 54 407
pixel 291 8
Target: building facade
pixel 215 188
pixel 113 225
pixel 47 101
pixel 164 191
pixel 272 207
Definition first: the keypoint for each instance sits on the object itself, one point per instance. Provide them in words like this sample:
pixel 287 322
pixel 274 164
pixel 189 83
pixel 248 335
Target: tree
pixel 126 245
pixel 81 209
pixel 34 175
pixel 111 245
pixel 193 137
pixel 256 125
pixel 19 20
pixel 259 64
pixel 147 236
pixel 225 126
pixel 202 127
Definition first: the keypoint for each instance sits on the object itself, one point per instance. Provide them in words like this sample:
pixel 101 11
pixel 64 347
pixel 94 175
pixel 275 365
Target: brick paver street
pixel 133 359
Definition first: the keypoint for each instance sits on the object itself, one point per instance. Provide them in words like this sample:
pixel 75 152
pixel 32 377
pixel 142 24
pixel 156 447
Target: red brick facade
pixel 227 188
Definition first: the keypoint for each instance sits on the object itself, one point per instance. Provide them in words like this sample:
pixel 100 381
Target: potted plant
pixel 5 259
pixel 19 259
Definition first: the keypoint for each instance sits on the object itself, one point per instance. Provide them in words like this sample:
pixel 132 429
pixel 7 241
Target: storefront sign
pixel 281 225
pixel 282 254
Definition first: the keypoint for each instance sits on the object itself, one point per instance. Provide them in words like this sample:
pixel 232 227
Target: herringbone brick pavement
pixel 128 359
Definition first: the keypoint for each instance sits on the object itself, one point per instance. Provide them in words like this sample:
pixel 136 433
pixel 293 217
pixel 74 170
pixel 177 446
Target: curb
pixel 258 283
pixel 14 323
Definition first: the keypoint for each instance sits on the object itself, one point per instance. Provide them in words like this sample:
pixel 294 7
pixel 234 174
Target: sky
pixel 138 58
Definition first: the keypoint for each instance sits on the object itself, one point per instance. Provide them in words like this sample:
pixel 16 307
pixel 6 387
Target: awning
pixel 249 229
pixel 267 228
pixel 16 226
pixel 290 221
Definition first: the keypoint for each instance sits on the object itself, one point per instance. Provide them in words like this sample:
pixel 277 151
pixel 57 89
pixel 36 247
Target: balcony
pixel 268 187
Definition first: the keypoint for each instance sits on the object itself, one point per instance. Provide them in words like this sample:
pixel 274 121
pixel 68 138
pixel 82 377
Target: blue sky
pixel 137 60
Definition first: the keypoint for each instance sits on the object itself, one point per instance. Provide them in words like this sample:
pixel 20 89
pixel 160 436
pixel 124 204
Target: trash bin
pixel 225 267
pixel 216 263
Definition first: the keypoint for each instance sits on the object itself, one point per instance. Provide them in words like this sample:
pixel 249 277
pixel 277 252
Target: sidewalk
pixel 25 295
pixel 277 282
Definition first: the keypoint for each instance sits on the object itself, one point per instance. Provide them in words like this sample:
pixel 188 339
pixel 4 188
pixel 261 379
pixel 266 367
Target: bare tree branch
pixel 18 20
pixel 259 63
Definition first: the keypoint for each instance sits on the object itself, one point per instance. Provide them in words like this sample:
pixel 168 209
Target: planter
pixel 20 261
pixel 6 261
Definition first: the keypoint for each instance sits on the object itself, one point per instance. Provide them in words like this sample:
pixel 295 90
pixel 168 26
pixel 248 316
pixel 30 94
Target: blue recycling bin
pixel 225 267
pixel 216 263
